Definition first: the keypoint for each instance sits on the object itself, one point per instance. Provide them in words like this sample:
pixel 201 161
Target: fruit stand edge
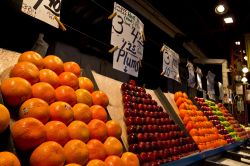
pixel 188 160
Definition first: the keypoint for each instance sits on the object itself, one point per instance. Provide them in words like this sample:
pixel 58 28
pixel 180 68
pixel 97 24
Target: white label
pixel 210 85
pixel 126 34
pixel 199 76
pixel 170 65
pixel 191 78
pixel 44 10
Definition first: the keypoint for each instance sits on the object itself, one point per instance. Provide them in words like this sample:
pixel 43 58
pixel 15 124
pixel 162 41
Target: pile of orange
pixel 62 119
pixel 203 132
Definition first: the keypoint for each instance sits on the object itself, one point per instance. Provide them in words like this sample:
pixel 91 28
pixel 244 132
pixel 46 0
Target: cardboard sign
pixel 191 78
pixel 44 10
pixel 127 34
pixel 170 65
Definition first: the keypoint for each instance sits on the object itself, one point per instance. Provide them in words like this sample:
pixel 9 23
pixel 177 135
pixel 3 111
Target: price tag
pixel 127 35
pixel 44 10
pixel 170 65
pixel 210 85
pixel 191 78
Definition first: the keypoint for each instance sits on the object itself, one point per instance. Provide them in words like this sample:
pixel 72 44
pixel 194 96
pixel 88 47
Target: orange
pixel 76 151
pixel 4 118
pixel 72 67
pixel 96 149
pixel 45 91
pixel 86 83
pixel 193 132
pixel 8 159
pixel 177 95
pixel 113 146
pixel 48 153
pixel 100 98
pixel 28 133
pixel 114 161
pixel 57 131
pixel 61 111
pixel 26 70
pixel 66 94
pixel 15 90
pixel 78 130
pixel 179 101
pixel 49 76
pixel 96 162
pixel 33 57
pixel 184 94
pixel 54 63
pixel 130 159
pixel 83 96
pixel 114 128
pixel 98 112
pixel 97 129
pixel 69 79
pixel 182 113
pixel 82 112
pixel 72 164
pixel 36 108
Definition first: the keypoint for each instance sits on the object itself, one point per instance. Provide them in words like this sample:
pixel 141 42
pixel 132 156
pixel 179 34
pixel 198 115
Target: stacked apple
pixel 216 117
pixel 152 134
pixel 240 131
pixel 203 132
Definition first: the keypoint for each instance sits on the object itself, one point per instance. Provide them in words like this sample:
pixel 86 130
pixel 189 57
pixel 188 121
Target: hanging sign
pixel 171 62
pixel 210 85
pixel 127 35
pixel 221 90
pixel 199 76
pixel 44 10
pixel 191 78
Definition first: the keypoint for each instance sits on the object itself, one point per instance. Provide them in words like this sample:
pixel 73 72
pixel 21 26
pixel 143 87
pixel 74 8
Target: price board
pixel 127 34
pixel 44 10
pixel 170 65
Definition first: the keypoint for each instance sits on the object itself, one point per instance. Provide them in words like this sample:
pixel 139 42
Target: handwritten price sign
pixel 170 64
pixel 44 10
pixel 127 35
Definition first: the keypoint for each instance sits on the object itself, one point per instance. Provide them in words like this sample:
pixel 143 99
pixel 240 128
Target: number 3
pixel 121 27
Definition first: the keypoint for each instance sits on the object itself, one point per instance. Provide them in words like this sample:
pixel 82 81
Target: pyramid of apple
pixel 203 132
pixel 240 131
pixel 216 116
pixel 152 134
pixel 61 119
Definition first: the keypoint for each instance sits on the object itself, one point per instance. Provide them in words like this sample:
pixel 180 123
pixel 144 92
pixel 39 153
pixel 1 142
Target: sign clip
pixel 62 27
pixel 113 49
pixel 112 15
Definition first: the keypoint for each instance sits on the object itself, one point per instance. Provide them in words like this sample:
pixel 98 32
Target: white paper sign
pixel 210 85
pixel 191 78
pixel 170 65
pixel 126 34
pixel 199 76
pixel 44 10
pixel 221 90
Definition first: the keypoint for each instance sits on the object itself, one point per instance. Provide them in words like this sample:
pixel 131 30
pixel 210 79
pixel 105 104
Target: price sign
pixel 199 76
pixel 210 85
pixel 170 64
pixel 44 10
pixel 191 78
pixel 127 35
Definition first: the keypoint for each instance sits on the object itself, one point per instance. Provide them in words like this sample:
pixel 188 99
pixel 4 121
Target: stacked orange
pixel 203 132
pixel 62 119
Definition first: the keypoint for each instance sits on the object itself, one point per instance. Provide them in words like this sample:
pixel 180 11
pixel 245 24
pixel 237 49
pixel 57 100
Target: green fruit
pixel 221 118
pixel 233 134
pixel 229 129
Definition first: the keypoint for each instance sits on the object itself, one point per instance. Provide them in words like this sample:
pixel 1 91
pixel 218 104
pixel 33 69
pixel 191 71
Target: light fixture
pixel 221 8
pixel 245 57
pixel 228 20
pixel 244 79
pixel 237 43
pixel 244 69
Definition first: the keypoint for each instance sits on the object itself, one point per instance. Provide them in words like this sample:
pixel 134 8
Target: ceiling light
pixel 228 20
pixel 221 8
pixel 245 69
pixel 245 58
pixel 244 80
pixel 237 43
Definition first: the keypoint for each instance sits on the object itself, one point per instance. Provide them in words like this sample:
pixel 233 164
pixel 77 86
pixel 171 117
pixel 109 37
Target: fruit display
pixel 211 110
pixel 152 134
pixel 240 131
pixel 203 131
pixel 61 119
